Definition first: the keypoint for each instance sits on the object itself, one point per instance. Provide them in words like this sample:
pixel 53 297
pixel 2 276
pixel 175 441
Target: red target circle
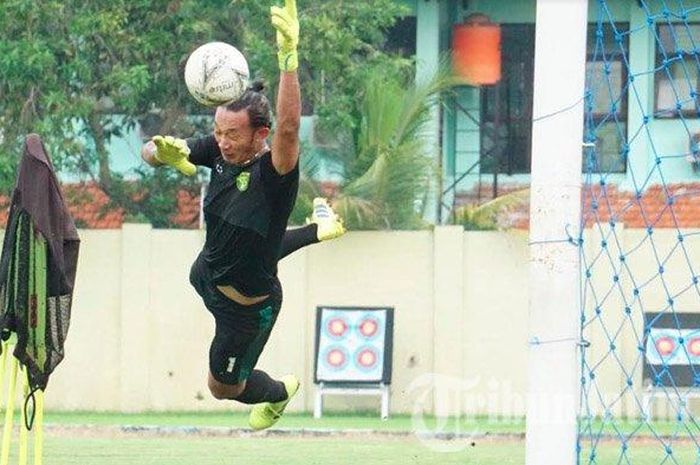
pixel 336 358
pixel 337 327
pixel 369 327
pixel 694 347
pixel 665 345
pixel 366 358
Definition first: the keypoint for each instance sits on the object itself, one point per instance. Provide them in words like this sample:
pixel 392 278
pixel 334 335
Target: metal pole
pixel 555 206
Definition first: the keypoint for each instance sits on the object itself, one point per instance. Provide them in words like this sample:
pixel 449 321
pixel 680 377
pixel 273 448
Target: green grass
pixel 362 420
pixel 305 451
pixel 232 419
pixel 76 445
pixel 271 451
pixel 333 421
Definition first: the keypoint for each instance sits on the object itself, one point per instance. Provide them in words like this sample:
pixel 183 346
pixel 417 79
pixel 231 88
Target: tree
pixel 341 42
pixel 389 169
pixel 493 214
pixel 81 73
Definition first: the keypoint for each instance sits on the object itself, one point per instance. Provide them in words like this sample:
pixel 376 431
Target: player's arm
pixel 285 140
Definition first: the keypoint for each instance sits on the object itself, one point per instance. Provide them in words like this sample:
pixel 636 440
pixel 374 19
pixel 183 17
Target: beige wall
pixel 139 336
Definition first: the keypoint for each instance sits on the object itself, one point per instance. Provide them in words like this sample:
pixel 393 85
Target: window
pixel 678 69
pixel 401 37
pixel 606 106
pixel 506 108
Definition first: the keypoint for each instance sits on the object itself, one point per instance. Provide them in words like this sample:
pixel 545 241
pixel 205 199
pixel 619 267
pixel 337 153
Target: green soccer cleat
pixel 329 225
pixel 264 415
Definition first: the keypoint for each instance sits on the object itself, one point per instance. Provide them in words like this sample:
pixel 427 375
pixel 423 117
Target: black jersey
pixel 246 211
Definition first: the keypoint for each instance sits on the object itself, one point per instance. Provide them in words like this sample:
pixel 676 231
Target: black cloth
pixel 38 193
pixel 38 210
pixel 246 211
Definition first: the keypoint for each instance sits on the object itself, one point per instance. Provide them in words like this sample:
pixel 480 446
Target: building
pixel 642 105
pixel 642 72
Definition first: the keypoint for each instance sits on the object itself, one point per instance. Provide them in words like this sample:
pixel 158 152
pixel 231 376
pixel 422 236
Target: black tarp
pixel 38 266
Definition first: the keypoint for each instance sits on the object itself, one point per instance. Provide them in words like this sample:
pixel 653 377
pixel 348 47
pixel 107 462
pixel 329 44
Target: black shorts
pixel 241 330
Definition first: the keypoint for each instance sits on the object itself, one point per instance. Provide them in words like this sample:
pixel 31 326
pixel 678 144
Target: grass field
pixel 268 451
pixel 217 438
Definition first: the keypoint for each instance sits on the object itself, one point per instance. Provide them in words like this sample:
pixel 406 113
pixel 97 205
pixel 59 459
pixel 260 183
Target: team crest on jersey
pixel 242 181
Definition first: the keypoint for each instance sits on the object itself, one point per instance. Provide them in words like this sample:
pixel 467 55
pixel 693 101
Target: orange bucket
pixel 476 51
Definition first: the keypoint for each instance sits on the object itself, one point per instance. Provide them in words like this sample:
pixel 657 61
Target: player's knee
pixel 223 391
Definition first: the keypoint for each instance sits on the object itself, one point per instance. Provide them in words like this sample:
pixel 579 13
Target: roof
pixel 89 206
pixel 676 205
pixel 660 207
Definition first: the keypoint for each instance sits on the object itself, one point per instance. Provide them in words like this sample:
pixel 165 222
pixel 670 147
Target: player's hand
pixel 286 22
pixel 174 152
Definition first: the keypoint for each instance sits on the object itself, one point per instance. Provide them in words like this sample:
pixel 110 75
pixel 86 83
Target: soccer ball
pixel 216 74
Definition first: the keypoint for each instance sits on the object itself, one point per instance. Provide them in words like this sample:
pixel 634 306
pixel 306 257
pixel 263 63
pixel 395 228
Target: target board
pixel 672 349
pixel 354 344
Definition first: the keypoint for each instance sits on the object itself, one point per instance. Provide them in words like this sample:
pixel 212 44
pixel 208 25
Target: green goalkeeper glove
pixel 174 152
pixel 286 22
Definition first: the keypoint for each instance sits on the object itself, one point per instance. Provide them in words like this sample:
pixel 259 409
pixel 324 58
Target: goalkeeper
pixel 251 195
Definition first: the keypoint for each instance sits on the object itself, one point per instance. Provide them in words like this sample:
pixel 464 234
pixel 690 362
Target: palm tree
pixel 487 215
pixel 391 166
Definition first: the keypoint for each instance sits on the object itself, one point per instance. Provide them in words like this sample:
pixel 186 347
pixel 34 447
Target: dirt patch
pixel 466 439
pixel 109 431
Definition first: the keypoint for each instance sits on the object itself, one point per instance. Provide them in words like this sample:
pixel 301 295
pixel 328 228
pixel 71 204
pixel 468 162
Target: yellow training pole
pixel 23 432
pixel 9 414
pixel 38 427
pixel 3 363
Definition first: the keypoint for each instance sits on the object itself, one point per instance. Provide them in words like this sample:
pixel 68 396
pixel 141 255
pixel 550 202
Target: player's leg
pixel 223 391
pixel 257 388
pixel 241 335
pixel 237 344
pixel 266 414
pixel 323 225
pixel 231 376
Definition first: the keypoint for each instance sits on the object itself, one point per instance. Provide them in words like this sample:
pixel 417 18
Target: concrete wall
pixel 139 336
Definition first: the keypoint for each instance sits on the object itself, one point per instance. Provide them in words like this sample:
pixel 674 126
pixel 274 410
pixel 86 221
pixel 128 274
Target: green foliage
pixel 391 167
pixel 308 187
pixel 152 199
pixel 68 67
pixel 304 204
pixel 485 217
pixel 82 73
pixel 340 41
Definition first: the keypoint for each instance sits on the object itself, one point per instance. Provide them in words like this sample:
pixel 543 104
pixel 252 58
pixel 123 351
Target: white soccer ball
pixel 216 74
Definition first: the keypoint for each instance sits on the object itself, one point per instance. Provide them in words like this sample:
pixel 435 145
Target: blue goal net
pixel 640 239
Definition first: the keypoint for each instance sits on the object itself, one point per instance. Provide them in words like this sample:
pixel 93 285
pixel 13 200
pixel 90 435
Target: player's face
pixel 237 140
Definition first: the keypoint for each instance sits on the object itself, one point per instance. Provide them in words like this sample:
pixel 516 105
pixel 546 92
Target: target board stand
pixel 353 353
